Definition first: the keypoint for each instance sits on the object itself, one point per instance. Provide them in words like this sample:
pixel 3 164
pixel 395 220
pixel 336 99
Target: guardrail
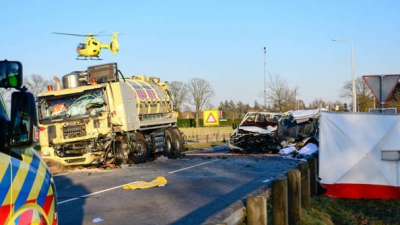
pixel 289 193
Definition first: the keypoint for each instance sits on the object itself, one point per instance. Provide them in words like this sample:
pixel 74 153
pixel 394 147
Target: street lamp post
pixel 352 73
pixel 265 88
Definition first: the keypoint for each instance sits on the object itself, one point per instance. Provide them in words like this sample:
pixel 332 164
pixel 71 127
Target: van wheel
pixel 168 144
pixel 140 152
pixel 176 142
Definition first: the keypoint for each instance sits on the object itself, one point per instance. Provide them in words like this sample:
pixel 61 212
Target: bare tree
pixel 280 95
pixel 200 91
pixel 291 98
pixel 394 99
pixel 6 94
pixel 316 103
pixel 300 105
pixel 179 94
pixel 364 95
pixel 257 106
pixel 36 84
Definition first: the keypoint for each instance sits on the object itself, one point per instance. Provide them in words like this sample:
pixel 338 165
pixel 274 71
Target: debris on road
pixel 158 182
pixel 290 151
pixel 161 158
pixel 97 220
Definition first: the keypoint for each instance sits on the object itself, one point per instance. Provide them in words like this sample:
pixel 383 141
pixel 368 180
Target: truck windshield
pixel 66 106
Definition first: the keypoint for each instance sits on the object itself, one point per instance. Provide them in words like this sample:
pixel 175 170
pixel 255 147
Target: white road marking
pixel 109 189
pixel 192 166
pixel 94 193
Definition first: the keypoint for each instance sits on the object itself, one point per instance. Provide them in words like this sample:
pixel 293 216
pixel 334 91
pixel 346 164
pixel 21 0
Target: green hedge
pixel 192 122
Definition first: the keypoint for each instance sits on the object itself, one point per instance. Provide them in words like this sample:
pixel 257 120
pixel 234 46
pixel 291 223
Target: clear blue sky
pixel 218 40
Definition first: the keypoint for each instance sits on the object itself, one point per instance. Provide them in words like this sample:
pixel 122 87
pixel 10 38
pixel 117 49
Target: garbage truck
pixel 99 116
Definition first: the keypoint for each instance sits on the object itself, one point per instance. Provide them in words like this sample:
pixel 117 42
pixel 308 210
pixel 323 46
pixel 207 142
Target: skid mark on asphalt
pixel 120 186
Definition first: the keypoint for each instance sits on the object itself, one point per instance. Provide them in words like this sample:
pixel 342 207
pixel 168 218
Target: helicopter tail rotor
pixel 114 46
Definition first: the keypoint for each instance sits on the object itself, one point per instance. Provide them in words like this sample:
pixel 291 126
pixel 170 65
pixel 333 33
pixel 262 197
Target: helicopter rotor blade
pixel 80 35
pixel 101 33
pixel 84 35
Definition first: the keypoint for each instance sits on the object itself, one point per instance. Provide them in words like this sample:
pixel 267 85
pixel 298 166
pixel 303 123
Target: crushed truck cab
pixel 98 117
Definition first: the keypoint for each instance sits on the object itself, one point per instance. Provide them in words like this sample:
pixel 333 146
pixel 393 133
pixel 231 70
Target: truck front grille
pixel 74 131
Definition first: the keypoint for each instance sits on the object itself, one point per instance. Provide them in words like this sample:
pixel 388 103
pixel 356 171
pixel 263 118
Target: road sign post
pixel 382 86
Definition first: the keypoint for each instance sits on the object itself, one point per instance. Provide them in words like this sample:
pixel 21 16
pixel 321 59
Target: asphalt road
pixel 200 184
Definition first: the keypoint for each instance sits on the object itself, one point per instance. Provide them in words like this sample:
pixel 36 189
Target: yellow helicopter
pixel 90 48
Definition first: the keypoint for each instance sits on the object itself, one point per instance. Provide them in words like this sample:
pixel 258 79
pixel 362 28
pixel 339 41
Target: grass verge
pixel 195 145
pixel 352 211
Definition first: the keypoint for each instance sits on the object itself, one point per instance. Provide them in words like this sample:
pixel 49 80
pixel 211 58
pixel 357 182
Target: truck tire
pixel 118 154
pixel 141 151
pixel 176 142
pixel 168 144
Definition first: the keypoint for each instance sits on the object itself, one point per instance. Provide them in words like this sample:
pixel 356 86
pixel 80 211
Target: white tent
pixel 359 155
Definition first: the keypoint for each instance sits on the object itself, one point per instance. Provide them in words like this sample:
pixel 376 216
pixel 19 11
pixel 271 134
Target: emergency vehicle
pixel 27 190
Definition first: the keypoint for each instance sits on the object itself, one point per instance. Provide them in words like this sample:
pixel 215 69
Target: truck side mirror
pixel 10 74
pixel 23 124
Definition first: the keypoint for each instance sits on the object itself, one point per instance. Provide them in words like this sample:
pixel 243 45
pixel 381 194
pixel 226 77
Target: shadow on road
pixel 201 214
pixel 70 202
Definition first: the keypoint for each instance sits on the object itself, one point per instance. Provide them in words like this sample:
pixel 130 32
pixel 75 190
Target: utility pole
pixel 265 87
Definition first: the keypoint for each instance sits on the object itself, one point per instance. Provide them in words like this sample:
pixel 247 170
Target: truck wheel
pixel 176 142
pixel 168 144
pixel 119 154
pixel 140 151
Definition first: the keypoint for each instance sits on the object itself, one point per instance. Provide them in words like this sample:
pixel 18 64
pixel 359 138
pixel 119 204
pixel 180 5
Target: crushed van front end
pixel 255 134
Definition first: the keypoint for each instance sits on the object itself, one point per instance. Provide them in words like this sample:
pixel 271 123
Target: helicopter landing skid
pixel 86 58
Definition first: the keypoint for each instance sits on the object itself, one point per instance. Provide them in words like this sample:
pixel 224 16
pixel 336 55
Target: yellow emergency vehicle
pixel 27 190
